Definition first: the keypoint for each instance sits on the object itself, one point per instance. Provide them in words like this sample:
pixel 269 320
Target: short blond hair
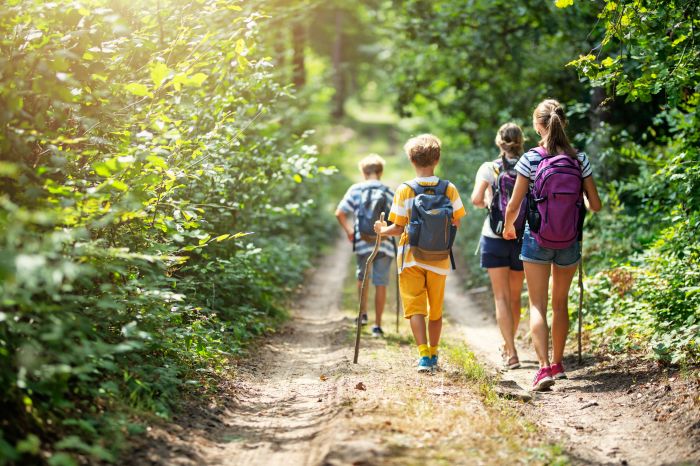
pixel 423 150
pixel 372 164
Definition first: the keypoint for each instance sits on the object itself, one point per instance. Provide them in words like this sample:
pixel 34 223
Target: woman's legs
pixel 561 282
pixel 500 283
pixel 537 276
pixel 516 288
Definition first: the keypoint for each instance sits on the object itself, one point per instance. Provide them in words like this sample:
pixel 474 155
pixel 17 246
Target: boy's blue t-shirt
pixel 351 202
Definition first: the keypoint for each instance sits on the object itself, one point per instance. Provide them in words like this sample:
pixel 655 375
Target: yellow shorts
pixel 422 292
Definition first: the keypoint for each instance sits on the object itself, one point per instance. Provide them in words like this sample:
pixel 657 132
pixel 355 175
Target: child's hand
pixel 351 236
pixel 378 226
pixel 509 232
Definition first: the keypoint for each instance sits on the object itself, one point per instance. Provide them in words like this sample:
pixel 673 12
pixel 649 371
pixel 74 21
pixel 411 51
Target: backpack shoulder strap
pixel 496 168
pixel 441 187
pixel 415 186
pixel 541 151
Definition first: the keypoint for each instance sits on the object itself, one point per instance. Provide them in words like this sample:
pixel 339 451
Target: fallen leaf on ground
pixel 323 377
pixel 360 386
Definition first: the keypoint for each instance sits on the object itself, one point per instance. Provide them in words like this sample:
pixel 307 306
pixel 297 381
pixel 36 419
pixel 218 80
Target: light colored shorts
pixel 380 268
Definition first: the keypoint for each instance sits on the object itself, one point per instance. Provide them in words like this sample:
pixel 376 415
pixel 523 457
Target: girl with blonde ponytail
pixel 559 181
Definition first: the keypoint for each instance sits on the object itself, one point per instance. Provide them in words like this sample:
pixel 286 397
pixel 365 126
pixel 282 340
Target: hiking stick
pixel 580 302
pixel 398 298
pixel 363 289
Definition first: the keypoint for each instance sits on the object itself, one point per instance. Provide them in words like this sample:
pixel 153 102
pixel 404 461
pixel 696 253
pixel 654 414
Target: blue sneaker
pixel 434 362
pixel 425 364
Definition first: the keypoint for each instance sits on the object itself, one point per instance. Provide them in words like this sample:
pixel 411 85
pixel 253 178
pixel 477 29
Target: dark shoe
pixel 363 319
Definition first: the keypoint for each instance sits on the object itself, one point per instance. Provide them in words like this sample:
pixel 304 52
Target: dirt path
pixel 608 412
pixel 298 400
pixel 278 408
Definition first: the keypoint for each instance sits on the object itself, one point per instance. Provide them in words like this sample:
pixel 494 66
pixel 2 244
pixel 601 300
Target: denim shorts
pixel 536 254
pixel 498 252
pixel 380 268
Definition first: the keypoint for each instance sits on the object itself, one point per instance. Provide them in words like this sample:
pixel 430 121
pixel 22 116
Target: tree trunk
pixel 339 77
pixel 298 45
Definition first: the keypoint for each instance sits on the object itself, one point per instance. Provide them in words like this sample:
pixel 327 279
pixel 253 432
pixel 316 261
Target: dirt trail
pixel 298 400
pixel 277 409
pixel 285 415
pixel 606 413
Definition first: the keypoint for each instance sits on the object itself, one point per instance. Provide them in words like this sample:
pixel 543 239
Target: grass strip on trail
pixel 453 416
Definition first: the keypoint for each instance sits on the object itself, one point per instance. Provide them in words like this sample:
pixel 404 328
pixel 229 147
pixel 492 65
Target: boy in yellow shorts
pixel 431 209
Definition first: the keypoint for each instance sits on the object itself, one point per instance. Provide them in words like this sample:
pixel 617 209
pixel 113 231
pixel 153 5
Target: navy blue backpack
pixel 373 201
pixel 430 229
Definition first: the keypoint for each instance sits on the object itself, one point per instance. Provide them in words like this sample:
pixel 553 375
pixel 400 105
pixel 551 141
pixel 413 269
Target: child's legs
pixel 434 331
pixel 435 284
pixel 500 283
pixel 414 296
pixel 418 329
pixel 561 282
pixel 516 278
pixel 379 302
pixel 360 273
pixel 537 276
pixel 381 268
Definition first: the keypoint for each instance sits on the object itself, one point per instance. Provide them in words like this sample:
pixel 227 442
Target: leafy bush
pixel 154 213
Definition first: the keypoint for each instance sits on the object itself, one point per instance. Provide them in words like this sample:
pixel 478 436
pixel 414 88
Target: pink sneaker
pixel 558 371
pixel 543 380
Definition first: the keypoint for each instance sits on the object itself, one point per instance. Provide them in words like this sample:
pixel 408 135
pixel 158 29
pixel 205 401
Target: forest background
pixel 169 169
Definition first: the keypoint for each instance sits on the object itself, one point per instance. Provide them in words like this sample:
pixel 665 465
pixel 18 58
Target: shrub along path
pixel 610 411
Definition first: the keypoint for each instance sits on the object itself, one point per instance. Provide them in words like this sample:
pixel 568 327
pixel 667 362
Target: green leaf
pixel 563 3
pixel 679 40
pixel 157 161
pixel 221 238
pixel 197 79
pixel 62 459
pixel 240 46
pixel 159 72
pixel 137 89
pixel 102 169
pixel 608 62
pixel 298 178
pixel 9 169
pixel 29 445
pixel 120 185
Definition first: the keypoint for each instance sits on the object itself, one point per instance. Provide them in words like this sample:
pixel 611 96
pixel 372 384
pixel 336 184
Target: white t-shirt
pixel 487 172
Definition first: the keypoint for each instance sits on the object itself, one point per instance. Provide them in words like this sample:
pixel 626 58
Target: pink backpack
pixel 556 201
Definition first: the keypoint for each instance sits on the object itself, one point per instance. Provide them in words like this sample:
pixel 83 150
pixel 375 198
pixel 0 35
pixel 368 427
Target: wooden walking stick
pixel 363 290
pixel 398 298
pixel 580 303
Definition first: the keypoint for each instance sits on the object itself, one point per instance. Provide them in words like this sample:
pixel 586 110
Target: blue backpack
pixel 373 201
pixel 430 229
